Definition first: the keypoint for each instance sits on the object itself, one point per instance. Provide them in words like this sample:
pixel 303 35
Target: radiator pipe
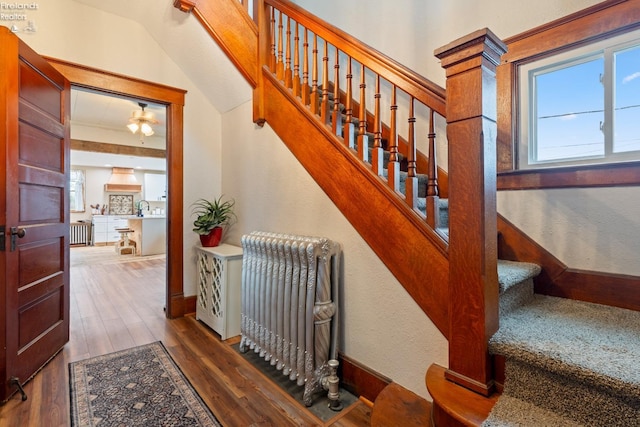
pixel 332 383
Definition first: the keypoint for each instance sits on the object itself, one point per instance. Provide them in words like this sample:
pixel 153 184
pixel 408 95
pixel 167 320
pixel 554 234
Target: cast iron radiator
pixel 79 233
pixel 290 305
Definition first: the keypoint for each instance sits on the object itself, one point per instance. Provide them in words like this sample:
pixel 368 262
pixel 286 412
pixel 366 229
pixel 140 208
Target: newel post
pixel 470 63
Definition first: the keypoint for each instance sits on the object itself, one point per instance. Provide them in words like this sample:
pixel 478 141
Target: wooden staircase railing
pixel 452 281
pixel 379 77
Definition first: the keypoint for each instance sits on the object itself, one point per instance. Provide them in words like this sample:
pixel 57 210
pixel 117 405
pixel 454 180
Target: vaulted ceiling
pixel 184 40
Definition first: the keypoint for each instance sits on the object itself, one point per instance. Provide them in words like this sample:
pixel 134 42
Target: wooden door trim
pixel 173 98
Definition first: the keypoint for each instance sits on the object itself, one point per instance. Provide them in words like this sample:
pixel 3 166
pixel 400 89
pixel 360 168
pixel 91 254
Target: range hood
pixel 123 180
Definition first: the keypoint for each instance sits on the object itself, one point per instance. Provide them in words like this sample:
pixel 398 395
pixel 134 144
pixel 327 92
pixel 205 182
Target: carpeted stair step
pixel 568 363
pixel 422 182
pixel 515 284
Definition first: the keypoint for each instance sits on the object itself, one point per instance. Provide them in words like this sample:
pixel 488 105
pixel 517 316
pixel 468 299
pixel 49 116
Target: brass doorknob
pixel 20 232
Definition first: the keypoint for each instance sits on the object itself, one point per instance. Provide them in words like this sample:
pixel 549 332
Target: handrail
pixel 426 91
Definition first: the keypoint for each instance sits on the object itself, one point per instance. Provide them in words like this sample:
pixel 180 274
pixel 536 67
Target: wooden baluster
pixel 272 57
pixel 296 62
pixel 377 154
pixel 324 108
pixel 433 200
pixel 411 185
pixel 279 62
pixel 287 68
pixel 336 119
pixel 393 168
pixel 305 69
pixel 363 138
pixel 349 131
pixel 315 99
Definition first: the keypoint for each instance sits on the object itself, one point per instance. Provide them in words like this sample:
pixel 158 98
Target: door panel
pixel 39 148
pixel 35 266
pixel 38 262
pixel 39 203
pixel 37 89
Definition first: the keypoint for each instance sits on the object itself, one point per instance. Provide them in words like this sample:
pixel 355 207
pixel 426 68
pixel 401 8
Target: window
pixel 76 190
pixel 581 106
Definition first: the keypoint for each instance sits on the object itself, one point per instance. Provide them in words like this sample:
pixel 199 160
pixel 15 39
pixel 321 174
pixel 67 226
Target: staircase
pixel 454 282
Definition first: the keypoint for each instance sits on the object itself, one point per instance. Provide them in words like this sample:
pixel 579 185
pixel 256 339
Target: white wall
pixel 71 31
pixel 383 327
pixel 594 229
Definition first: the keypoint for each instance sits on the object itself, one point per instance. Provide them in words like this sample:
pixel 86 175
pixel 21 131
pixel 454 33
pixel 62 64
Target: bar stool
pixel 125 245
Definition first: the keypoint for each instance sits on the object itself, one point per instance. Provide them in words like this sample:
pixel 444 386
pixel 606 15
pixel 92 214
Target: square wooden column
pixel 470 63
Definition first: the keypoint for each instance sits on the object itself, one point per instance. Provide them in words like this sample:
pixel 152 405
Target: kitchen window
pixel 76 190
pixel 581 106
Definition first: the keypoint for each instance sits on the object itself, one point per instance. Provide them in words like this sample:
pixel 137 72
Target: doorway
pixel 101 144
pixel 173 98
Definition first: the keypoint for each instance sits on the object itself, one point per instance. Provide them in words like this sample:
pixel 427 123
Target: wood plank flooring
pixel 117 302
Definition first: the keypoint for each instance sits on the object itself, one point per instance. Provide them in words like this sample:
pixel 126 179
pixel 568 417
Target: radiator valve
pixel 333 385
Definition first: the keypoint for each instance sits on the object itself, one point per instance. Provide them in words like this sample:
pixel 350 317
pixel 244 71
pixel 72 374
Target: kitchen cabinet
pixel 104 228
pixel 219 288
pixel 155 187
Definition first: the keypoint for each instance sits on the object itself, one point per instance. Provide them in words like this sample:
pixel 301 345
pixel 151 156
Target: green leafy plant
pixel 211 214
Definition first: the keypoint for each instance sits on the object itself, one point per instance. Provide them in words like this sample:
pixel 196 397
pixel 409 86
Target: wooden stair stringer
pixel 413 252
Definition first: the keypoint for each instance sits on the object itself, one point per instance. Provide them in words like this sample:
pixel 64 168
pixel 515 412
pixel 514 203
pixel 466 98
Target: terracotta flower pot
pixel 212 239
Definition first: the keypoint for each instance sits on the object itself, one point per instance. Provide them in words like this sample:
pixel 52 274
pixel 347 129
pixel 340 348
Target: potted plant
pixel 211 218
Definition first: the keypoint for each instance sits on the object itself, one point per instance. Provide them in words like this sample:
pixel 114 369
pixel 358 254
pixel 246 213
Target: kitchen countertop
pixel 134 216
pixel 147 217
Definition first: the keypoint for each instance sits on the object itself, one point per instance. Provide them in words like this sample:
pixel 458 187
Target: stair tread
pixel 511 273
pixel 526 413
pixel 598 344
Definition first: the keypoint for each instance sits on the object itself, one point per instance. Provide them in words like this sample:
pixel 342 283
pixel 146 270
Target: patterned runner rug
pixel 141 386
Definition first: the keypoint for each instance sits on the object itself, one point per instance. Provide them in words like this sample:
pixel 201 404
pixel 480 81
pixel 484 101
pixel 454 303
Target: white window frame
pixel 527 107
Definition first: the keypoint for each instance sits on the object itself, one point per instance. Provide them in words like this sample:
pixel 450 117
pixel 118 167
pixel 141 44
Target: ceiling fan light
pixel 133 127
pixel 142 120
pixel 146 129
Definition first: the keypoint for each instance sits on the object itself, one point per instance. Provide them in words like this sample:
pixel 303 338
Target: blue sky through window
pixel 570 107
pixel 627 101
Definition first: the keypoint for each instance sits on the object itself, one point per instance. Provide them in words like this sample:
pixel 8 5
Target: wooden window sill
pixel 605 175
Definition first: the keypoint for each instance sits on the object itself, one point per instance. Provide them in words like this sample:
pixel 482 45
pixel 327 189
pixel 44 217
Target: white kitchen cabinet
pixel 99 227
pixel 155 187
pixel 219 288
pixel 105 228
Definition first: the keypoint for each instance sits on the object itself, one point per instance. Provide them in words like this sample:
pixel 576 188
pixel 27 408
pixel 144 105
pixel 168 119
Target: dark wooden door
pixel 34 151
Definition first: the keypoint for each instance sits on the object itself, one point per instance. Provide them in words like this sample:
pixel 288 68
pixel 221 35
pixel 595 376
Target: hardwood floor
pixel 116 303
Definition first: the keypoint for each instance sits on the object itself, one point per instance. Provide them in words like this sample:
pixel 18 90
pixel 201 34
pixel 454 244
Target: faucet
pixel 140 206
